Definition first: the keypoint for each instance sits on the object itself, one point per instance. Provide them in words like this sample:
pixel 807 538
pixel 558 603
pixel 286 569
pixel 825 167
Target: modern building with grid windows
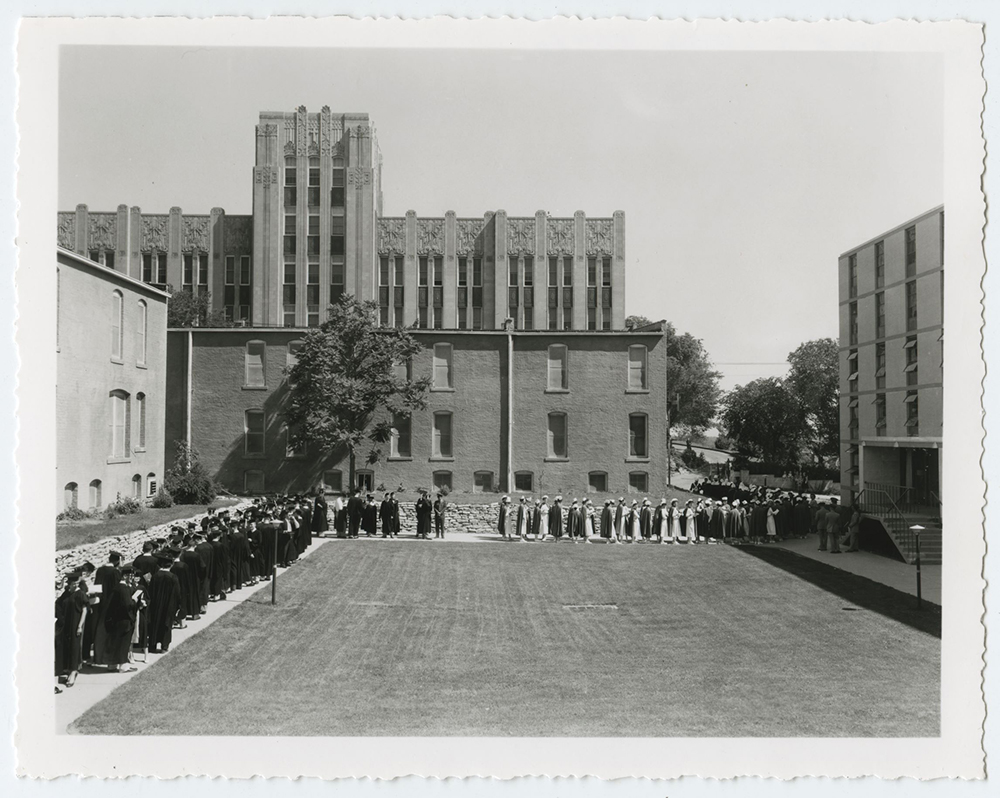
pixel 891 377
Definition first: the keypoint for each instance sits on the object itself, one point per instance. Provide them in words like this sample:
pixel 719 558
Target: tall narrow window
pixel 880 315
pixel 912 414
pixel 243 310
pixel 202 261
pixel 399 443
pixel 338 232
pixel 637 368
pixel 119 425
pixel 150 485
pixel 337 187
pixel 637 435
pixel 253 421
pixel 289 239
pixel 911 360
pixel 140 334
pixel 397 292
pixel 96 500
pixel 911 251
pixel 254 359
pixel 441 442
pixel 442 366
pixel 312 295
pixel 71 496
pixel 880 420
pixel 312 190
pixel 880 264
pixel 336 282
pixel 140 406
pixel 229 289
pixel 880 365
pixel 911 305
pixel 117 324
pixel 558 373
pixel 557 435
pixel 288 295
pixel 852 275
pixel 137 486
pixel 187 273
pixel 852 322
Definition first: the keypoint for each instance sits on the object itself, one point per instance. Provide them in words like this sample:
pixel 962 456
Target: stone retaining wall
pixel 471 518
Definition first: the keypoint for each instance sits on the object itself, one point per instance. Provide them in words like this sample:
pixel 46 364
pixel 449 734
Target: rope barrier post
pixel 274 571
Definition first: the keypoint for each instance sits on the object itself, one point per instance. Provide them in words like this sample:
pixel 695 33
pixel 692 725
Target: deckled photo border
pixel 958 751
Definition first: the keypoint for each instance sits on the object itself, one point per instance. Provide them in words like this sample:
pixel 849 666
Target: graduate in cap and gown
pixel 71 613
pixel 163 590
pixel 423 510
pixel 320 521
pixel 385 516
pixel 105 579
pixel 120 621
pixel 206 551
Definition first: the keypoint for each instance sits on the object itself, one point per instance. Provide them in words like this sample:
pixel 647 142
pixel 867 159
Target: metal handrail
pixel 892 510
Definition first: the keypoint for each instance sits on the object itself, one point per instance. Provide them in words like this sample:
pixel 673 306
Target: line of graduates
pixel 769 518
pixel 173 580
pixel 359 515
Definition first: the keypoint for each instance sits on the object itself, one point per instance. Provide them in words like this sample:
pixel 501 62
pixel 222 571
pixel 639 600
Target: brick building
pixel 535 411
pixel 110 383
pixel 317 231
pixel 891 373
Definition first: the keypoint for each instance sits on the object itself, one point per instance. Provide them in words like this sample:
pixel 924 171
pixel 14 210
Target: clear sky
pixel 742 175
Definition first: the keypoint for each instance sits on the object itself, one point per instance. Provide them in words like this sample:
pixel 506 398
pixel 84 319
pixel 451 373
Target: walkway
pixel 880 569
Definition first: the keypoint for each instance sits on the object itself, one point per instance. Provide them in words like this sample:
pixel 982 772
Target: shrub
pixel 73 514
pixel 188 481
pixel 692 459
pixel 122 505
pixel 162 499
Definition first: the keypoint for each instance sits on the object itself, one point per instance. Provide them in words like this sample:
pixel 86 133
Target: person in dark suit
pixel 369 517
pixel 355 509
pixel 395 514
pixel 423 511
pixel 385 516
pixel 320 522
pixel 440 508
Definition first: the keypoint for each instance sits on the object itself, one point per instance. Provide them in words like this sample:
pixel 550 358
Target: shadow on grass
pixel 859 590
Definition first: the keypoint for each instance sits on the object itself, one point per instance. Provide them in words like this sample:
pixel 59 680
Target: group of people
pixel 357 515
pixel 102 615
pixel 767 519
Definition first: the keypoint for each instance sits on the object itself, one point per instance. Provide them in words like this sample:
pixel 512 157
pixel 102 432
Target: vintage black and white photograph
pixel 510 392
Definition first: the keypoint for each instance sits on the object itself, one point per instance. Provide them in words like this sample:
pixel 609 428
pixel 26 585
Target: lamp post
pixel 917 529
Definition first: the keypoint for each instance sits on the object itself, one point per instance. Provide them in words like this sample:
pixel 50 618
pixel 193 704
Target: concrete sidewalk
pixel 94 684
pixel 892 573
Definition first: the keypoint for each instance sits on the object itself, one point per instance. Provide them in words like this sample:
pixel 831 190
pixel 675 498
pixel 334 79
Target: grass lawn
pixel 70 534
pixel 406 638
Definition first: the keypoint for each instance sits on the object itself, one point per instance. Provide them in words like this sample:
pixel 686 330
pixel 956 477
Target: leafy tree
pixel 693 391
pixel 346 384
pixel 188 481
pixel 187 309
pixel 814 380
pixel 765 421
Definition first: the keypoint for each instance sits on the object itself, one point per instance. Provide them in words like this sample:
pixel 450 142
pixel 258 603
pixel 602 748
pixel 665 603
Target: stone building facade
pixel 317 231
pixel 111 340
pixel 531 411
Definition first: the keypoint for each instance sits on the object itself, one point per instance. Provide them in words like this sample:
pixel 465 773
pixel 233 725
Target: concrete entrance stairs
pixel 931 542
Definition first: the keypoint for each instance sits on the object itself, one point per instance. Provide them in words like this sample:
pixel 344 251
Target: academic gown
pixel 107 576
pixel 355 507
pixel 164 603
pixel 619 520
pixel 423 511
pixel 70 607
pixel 501 520
pixel 183 573
pixel 574 523
pixel 268 535
pixel 119 624
pixel 144 564
pixel 320 522
pixel 305 528
pixel 219 568
pixel 206 551
pixel 802 519
pixel 369 519
pixel 340 520
pixel 196 573
pixel 645 521
pixel 385 517
pixel 556 521
pixel 239 549
pixel 607 519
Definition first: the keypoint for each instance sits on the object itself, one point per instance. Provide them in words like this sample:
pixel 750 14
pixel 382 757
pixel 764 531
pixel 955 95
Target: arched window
pixel 637 435
pixel 558 373
pixel 557 436
pixel 638 482
pixel 117 324
pixel 597 482
pixel 95 495
pixel 442 367
pixel 140 402
pixel 637 368
pixel 120 419
pixel 441 440
pixel 482 482
pixel 70 496
pixel 255 360
pixel 524 481
pixel 140 334
pixel 151 484
pixel 137 486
